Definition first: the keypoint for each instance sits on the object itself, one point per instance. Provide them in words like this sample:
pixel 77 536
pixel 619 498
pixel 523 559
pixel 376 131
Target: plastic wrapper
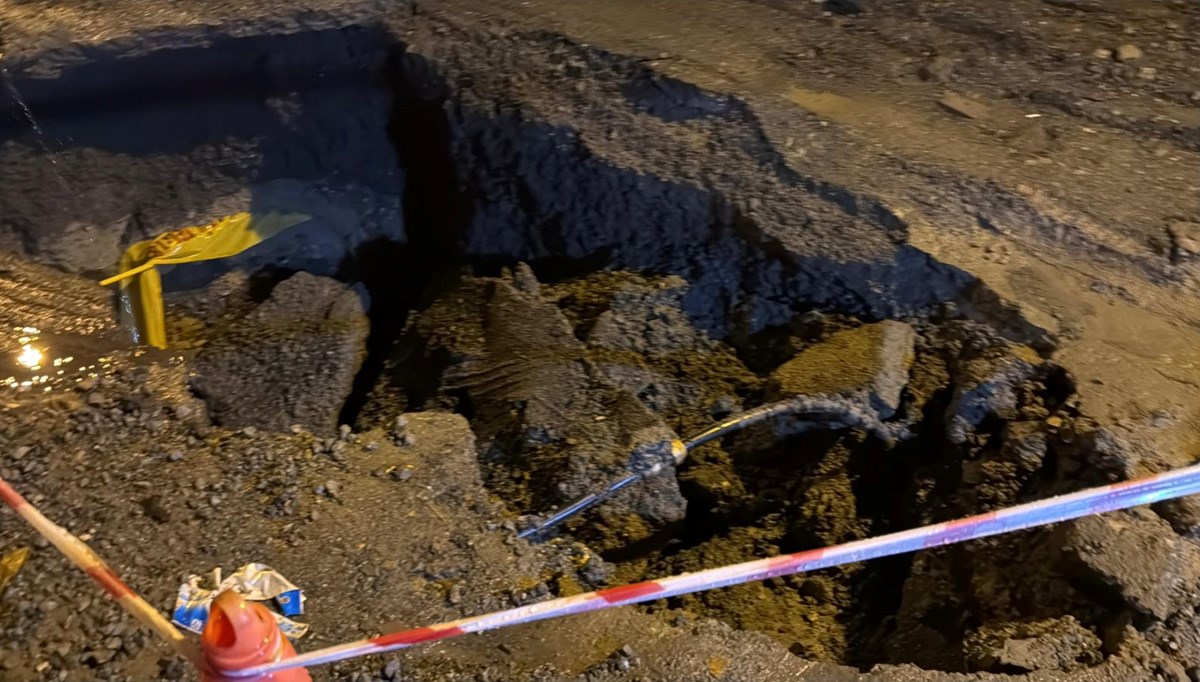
pixel 254 582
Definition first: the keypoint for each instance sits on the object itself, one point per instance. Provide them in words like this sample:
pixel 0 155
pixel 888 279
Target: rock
pixel 1147 73
pixel 99 656
pixel 1183 514
pixel 723 407
pixel 987 386
pixel 818 587
pixel 1102 53
pixel 938 69
pixel 1052 644
pixel 965 107
pixel 531 358
pixel 172 669
pixel 845 7
pixel 872 360
pixel 82 247
pixel 1185 240
pixel 153 508
pixel 524 279
pixel 1136 557
pixel 1031 138
pixel 1128 53
pixel 809 325
pixel 648 319
pixel 291 360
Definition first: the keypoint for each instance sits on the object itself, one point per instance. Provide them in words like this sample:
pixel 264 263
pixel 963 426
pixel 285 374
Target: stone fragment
pixel 987 386
pixel 1185 240
pixel 965 106
pixel 291 360
pixel 1128 53
pixel 1135 557
pixel 1051 644
pixel 871 361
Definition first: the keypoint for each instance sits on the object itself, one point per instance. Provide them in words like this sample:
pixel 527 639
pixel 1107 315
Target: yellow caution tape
pixel 141 287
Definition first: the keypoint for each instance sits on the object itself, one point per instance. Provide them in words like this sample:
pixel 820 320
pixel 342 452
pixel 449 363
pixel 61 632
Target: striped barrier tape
pixel 87 560
pixel 1114 497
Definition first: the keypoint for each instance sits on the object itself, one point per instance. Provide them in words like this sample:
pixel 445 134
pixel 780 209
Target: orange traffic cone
pixel 240 634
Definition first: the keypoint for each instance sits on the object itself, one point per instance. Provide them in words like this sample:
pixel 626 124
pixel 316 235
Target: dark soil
pixel 987 436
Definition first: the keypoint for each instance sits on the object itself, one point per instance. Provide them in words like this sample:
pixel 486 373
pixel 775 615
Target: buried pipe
pixel 841 412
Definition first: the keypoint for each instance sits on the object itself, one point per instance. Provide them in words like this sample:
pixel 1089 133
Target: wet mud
pixel 600 365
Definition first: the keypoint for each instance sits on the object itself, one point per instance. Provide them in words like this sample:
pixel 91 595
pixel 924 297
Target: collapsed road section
pixel 528 257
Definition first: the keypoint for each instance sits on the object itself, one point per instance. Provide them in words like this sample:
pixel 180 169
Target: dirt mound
pixel 544 370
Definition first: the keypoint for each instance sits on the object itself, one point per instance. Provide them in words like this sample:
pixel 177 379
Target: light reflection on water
pixel 29 357
pixel 31 360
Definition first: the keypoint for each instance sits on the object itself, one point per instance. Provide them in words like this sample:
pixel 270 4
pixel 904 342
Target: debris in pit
pixel 140 300
pixel 854 380
pixel 1049 644
pixel 965 107
pixel 639 338
pixel 1185 240
pixel 1183 514
pixel 988 384
pixel 1128 53
pixel 290 360
pixel 871 362
pixel 1135 558
pixel 752 573
pixel 536 400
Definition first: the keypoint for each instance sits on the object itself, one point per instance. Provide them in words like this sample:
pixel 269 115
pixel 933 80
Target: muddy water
pixel 58 337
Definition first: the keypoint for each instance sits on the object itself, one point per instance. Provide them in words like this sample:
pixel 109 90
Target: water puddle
pixel 33 360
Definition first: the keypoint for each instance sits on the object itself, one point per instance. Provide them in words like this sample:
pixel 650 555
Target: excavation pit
pixel 549 254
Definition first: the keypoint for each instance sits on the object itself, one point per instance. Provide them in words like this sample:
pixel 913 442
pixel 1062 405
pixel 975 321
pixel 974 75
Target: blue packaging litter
pixel 255 582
